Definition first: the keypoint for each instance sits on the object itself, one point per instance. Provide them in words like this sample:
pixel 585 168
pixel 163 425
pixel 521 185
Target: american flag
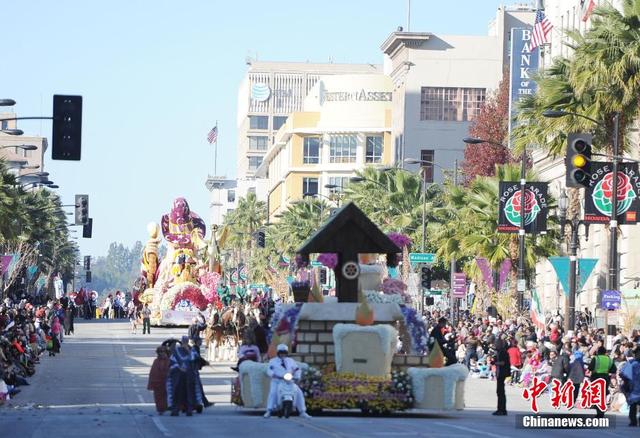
pixel 212 137
pixel 541 29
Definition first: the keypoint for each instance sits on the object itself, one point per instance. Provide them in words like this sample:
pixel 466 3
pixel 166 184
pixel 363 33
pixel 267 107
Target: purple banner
pixel 485 268
pixel 5 261
pixel 505 268
pixel 459 285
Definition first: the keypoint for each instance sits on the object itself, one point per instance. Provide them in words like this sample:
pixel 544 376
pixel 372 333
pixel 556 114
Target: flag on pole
pixel 537 315
pixel 212 137
pixel 541 29
pixel 586 7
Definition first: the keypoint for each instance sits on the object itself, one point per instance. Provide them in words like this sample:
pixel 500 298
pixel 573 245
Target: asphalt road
pixel 97 388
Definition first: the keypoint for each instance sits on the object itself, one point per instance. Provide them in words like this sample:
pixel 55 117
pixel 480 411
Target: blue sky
pixel 156 75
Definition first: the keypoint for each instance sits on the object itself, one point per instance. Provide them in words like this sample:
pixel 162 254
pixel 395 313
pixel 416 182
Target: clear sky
pixel 155 76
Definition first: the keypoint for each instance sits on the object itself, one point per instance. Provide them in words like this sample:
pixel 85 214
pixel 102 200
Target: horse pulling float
pixel 348 347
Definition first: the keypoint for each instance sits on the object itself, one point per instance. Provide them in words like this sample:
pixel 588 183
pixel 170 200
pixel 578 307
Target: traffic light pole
pixel 613 224
pixel 452 300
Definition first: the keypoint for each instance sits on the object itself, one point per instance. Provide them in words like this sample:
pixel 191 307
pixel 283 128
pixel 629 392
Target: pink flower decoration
pixel 209 282
pixel 393 286
pixel 401 240
pixel 328 259
pixel 193 294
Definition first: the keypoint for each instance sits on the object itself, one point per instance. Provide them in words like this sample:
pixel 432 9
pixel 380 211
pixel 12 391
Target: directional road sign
pixel 422 257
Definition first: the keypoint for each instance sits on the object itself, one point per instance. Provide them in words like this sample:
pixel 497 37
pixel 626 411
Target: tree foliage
pixel 492 123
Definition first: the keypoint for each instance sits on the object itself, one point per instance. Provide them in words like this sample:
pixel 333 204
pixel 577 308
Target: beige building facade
pixel 345 125
pixel 22 161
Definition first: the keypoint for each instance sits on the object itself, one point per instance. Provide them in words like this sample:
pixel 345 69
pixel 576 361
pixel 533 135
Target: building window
pixel 339 181
pixel 427 155
pixel 258 143
pixel 374 149
pixel 258 122
pixel 254 162
pixel 311 153
pixel 231 196
pixel 343 149
pixel 5 124
pixel 310 185
pixel 451 104
pixel 278 121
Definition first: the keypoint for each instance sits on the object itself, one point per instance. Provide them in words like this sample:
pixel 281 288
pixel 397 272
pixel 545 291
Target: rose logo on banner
pixel 602 193
pixel 513 208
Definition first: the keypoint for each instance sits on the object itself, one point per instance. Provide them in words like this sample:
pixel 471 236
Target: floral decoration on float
pixel 209 285
pixel 184 296
pixel 416 328
pixel 328 259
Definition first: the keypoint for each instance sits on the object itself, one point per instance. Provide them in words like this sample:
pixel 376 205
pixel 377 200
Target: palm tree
pixel 468 226
pixel 299 221
pixel 393 200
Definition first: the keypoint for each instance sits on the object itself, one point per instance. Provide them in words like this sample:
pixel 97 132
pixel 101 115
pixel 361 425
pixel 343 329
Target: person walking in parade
pixel 503 370
pixel 146 319
pixel 601 367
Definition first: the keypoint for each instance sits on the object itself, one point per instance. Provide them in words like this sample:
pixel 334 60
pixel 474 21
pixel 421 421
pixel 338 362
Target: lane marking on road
pixel 160 426
pixel 307 423
pixel 468 429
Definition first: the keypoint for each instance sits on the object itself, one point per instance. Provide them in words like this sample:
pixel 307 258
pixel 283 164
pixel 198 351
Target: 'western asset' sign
pixel 362 95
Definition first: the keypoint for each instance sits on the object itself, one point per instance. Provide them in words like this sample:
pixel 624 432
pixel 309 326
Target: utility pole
pixel 521 285
pixel 453 259
pixel 613 223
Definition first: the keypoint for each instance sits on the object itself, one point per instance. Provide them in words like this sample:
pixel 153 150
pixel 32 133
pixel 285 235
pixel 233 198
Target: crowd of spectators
pixel 27 331
pixel 543 351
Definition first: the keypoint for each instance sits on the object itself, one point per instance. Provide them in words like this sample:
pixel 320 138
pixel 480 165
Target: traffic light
pixel 82 209
pixel 323 276
pixel 261 239
pixel 67 127
pixel 87 277
pixel 578 160
pixel 87 263
pixel 429 301
pixel 425 277
pixel 87 229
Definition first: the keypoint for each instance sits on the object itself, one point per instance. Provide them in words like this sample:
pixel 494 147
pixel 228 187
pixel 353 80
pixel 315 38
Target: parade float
pixel 184 282
pixel 348 346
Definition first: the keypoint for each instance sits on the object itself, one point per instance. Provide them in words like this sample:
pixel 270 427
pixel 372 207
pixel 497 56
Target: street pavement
pixel 97 387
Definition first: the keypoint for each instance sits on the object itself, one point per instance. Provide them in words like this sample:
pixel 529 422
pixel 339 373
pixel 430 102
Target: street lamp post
pixel 521 285
pixel 574 223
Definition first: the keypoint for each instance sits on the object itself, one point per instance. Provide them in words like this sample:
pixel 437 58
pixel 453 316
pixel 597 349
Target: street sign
pixel 316 264
pixel 459 285
pixel 422 257
pixel 521 285
pixel 611 300
pixel 432 292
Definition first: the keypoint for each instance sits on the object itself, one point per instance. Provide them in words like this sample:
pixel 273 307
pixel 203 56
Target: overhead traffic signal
pixel 87 229
pixel 67 127
pixel 87 263
pixel 82 209
pixel 578 159
pixel 87 277
pixel 261 239
pixel 425 277
pixel 323 276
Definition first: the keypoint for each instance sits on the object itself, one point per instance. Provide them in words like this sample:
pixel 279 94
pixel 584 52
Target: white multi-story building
pixel 575 15
pixel 440 83
pixel 268 94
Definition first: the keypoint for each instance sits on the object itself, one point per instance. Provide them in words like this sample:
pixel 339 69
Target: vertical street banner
pixel 510 208
pixel 523 65
pixel 597 202
pixel 459 289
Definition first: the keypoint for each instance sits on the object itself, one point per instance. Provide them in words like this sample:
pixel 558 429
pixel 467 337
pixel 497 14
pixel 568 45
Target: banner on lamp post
pixel 597 200
pixel 535 208
pixel 523 66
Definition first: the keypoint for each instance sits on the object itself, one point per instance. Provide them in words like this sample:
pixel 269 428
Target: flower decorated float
pixel 180 285
pixel 351 345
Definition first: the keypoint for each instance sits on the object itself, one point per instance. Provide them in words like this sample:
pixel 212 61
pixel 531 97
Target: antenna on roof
pixel 408 15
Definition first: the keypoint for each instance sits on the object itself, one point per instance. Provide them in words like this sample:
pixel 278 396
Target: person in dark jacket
pixel 503 370
pixel 630 375
pixel 559 365
pixel 576 373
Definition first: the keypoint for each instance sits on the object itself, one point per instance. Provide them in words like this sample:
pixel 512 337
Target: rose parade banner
pixel 597 203
pixel 535 211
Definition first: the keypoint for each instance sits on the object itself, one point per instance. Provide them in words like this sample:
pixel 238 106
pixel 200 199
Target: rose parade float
pixel 182 284
pixel 366 350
